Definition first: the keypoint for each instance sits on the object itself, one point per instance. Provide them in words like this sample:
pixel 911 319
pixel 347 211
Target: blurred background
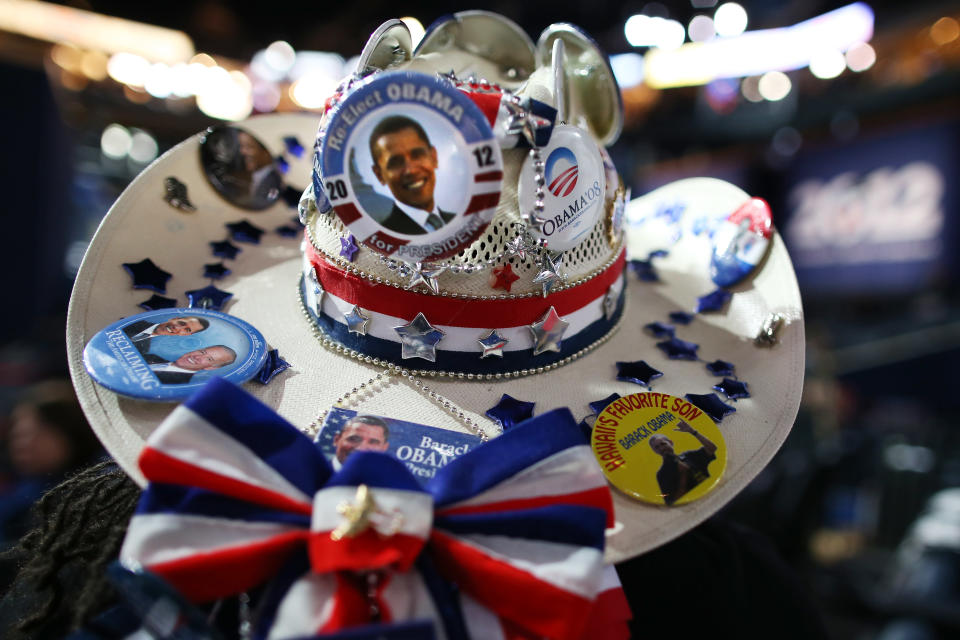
pixel 845 117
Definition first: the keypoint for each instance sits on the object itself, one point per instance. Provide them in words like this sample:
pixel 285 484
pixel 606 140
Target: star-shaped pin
pixel 425 274
pixel 208 297
pixel 521 121
pixel 720 368
pixel 677 349
pixel 147 275
pixel 713 301
pixel 610 303
pixel 659 329
pixel 419 339
pixel 503 277
pixel 215 271
pixel 287 231
pixel 547 332
pixel 510 411
pixel 273 365
pixel 551 273
pixel 599 405
pixel 713 406
pixel 293 146
pixel 681 317
pixel 348 247
pixel 493 344
pixel 316 290
pixel 225 249
pixel 175 193
pixel 638 372
pixel 357 321
pixel 733 389
pixel 644 270
pixel 518 247
pixel 243 231
pixel 155 302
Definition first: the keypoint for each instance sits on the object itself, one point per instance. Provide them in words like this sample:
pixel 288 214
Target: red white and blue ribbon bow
pixel 238 497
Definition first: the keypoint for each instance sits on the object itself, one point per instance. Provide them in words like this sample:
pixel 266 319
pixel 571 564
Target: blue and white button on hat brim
pixel 264 283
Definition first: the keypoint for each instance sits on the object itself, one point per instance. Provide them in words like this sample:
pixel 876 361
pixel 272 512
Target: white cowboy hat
pixel 265 286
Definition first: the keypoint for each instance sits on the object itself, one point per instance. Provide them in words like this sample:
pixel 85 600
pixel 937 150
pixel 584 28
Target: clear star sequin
pixel 547 332
pixel 638 372
pixel 712 405
pixel 493 344
pixel 610 303
pixel 733 389
pixel 419 339
pixel 357 321
pixel 147 275
pixel 510 411
pixel 425 274
pixel 550 273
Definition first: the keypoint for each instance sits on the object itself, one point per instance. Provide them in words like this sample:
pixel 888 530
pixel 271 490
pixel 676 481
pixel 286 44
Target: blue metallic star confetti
pixel 599 405
pixel 215 271
pixel 644 270
pixel 208 298
pixel 155 302
pixel 291 196
pixel 510 411
pixel 711 404
pixel 658 253
pixel 638 372
pixel 282 164
pixel 348 247
pixel 677 349
pixel 681 317
pixel 659 329
pixel 293 146
pixel 720 368
pixel 147 275
pixel 714 301
pixel 586 429
pixel 733 389
pixel 243 231
pixel 273 365
pixel 287 231
pixel 225 249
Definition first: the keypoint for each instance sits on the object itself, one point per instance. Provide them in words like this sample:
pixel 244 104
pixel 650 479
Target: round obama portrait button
pixel 659 448
pixel 411 166
pixel 170 353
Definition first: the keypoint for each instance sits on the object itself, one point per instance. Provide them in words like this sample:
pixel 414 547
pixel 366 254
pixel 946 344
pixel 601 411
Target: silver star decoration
pixel 357 321
pixel 318 291
pixel 547 332
pixel 609 303
pixel 419 339
pixel 517 247
pixel 425 274
pixel 493 344
pixel 550 273
pixel 522 122
pixel 449 76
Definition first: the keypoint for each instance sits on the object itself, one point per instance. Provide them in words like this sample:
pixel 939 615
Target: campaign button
pixel 658 448
pixel 740 242
pixel 240 167
pixel 574 187
pixel 168 354
pixel 411 166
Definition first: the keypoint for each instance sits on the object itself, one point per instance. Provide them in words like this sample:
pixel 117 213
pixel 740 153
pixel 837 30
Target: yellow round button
pixel 659 448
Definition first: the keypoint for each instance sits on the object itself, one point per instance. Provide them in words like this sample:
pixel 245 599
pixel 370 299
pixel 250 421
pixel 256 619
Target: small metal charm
pixel 770 331
pixel 550 273
pixel 610 303
pixel 425 274
pixel 176 195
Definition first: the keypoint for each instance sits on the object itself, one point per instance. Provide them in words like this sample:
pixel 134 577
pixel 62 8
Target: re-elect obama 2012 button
pixel 411 166
pixel 170 353
pixel 659 448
